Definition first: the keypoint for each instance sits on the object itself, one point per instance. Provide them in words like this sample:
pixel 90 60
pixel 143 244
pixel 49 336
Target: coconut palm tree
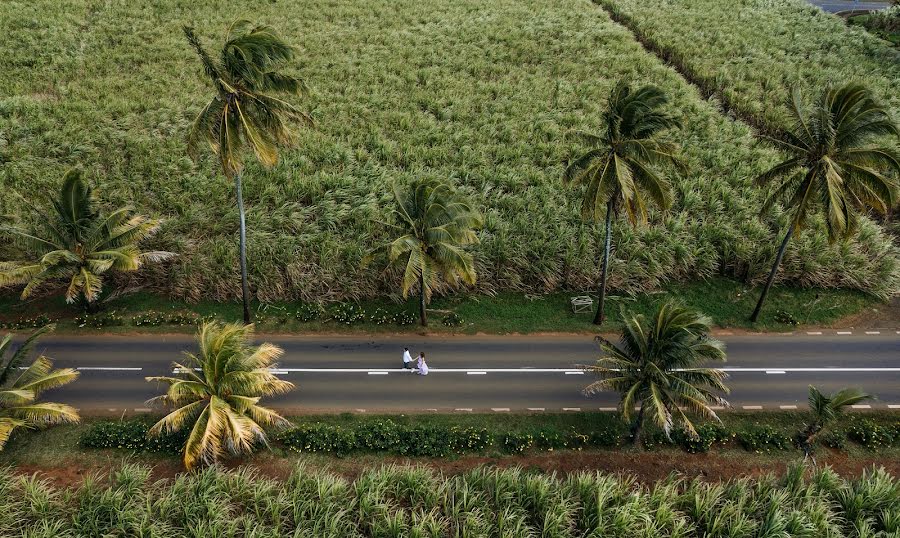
pixel 837 165
pixel 619 169
pixel 217 394
pixel 245 112
pixel 434 224
pixel 19 389
pixel 75 242
pixel 824 410
pixel 658 366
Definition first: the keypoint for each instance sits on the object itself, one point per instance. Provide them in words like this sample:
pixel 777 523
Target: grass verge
pixel 728 302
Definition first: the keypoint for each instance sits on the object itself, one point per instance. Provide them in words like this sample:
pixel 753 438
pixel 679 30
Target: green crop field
pixel 487 93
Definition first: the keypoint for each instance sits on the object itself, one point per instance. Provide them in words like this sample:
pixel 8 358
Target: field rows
pixel 488 94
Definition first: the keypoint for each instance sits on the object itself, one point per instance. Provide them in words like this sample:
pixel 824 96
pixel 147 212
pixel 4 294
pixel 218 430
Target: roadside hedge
pixel 444 440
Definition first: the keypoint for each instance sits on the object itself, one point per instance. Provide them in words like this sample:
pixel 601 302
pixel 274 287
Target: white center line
pixel 476 373
pixel 499 409
pixel 770 372
pixel 379 373
pixel 787 407
pixel 751 406
pixel 861 406
pixel 574 372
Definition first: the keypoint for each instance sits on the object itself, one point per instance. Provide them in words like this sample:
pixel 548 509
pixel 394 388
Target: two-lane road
pixel 481 373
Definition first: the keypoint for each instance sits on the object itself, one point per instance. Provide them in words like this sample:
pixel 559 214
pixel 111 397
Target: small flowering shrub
pixel 787 318
pixel 183 318
pixel 516 443
pixel 130 435
pixel 308 312
pixel 834 439
pixel 149 319
pixel 98 321
pixel 871 435
pixel 380 316
pixel 319 438
pixel 708 435
pixel 404 318
pixel 759 438
pixel 33 322
pixel 452 320
pixel 347 313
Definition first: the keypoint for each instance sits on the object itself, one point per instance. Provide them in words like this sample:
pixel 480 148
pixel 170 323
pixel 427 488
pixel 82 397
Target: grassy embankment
pixel 726 301
pixel 488 94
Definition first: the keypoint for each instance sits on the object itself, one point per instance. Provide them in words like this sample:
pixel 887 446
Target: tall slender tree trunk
pixel 765 292
pixel 600 315
pixel 422 316
pixel 636 427
pixel 245 285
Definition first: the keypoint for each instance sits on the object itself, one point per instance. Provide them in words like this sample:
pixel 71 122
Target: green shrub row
pixel 130 435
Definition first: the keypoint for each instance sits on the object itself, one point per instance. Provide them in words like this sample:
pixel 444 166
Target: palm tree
pixel 19 389
pixel 835 165
pixel 217 393
pixel 619 169
pixel 76 242
pixel 657 365
pixel 434 224
pixel 824 410
pixel 245 111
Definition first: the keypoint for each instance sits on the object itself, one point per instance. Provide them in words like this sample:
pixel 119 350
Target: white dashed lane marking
pixel 499 409
pixel 861 406
pixel 873 332
pixel 749 407
pixel 467 409
pixel 535 408
pixel 845 332
pixel 571 409
pixel 379 373
pixel 813 333
pixel 771 372
pixel 476 373
pixel 787 407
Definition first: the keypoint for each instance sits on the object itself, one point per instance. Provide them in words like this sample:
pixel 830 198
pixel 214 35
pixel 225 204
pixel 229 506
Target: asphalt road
pixel 478 374
pixel 836 6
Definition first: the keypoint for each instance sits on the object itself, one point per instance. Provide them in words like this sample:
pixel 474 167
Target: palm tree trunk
pixel 636 427
pixel 422 316
pixel 600 316
pixel 762 298
pixel 245 286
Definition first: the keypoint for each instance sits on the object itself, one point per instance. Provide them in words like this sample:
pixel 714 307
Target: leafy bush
pixel 319 437
pixel 404 318
pixel 149 319
pixel 98 321
pixel 380 316
pixel 870 435
pixel 130 435
pixel 308 312
pixel 708 434
pixel 183 318
pixel 834 439
pixel 452 320
pixel 347 313
pixel 33 322
pixel 516 443
pixel 762 438
pixel 782 316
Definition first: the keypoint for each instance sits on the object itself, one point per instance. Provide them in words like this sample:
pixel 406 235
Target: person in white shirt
pixel 407 359
pixel 423 366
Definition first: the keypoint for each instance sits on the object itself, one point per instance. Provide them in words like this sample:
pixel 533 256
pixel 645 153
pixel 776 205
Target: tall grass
pixel 415 502
pixel 484 93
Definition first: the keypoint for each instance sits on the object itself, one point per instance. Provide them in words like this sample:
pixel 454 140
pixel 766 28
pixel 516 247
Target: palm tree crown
pixel 436 224
pixel 657 366
pixel 825 409
pixel 19 389
pixel 836 162
pixel 618 170
pixel 217 394
pixel 837 165
pixel 245 110
pixel 75 242
pixel 619 167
